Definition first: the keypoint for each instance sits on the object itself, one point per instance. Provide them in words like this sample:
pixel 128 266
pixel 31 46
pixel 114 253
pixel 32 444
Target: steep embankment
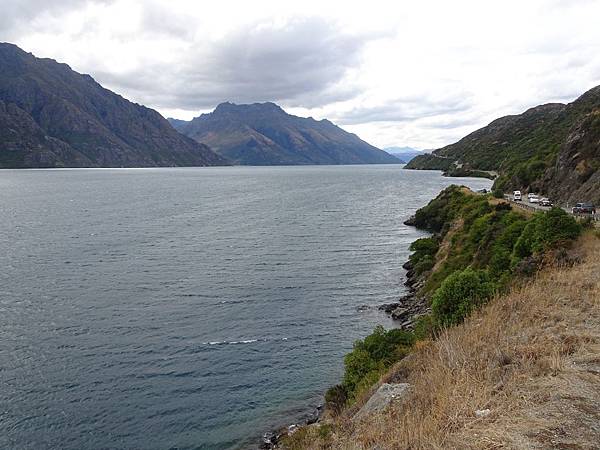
pixel 524 372
pixel 264 134
pixel 514 299
pixel 553 148
pixel 52 116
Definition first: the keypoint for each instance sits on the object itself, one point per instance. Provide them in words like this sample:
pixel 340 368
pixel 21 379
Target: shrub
pixel 371 356
pixel 335 398
pixel 498 193
pixel 424 246
pixel 545 231
pixel 424 250
pixel 459 294
pixel 424 327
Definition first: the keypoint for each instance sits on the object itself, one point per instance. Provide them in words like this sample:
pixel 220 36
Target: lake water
pixel 190 308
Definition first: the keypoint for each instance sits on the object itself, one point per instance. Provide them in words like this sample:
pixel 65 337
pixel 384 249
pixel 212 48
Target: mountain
pixel 264 134
pixel 52 116
pixel 552 148
pixel 406 154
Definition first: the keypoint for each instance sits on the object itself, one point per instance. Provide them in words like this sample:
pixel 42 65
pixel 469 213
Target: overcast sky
pixel 421 73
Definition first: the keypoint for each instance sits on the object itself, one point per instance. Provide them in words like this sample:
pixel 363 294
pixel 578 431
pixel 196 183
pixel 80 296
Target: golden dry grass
pixel 532 357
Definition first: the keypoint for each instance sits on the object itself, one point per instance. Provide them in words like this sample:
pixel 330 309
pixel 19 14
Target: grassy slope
pixel 531 356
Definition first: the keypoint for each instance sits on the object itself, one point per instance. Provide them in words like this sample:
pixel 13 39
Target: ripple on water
pixel 190 308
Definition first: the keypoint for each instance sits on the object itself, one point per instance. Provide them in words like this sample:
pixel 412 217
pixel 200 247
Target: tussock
pixel 532 357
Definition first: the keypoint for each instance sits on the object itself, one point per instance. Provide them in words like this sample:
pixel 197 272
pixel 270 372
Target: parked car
pixel 584 208
pixel 534 199
pixel 517 196
pixel 545 202
pixel 531 194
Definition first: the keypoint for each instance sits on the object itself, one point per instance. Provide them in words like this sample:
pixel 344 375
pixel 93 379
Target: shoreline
pixel 271 439
pixel 405 311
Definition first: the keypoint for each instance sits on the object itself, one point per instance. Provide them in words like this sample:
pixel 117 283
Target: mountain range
pixel 52 116
pixel 264 134
pixel 405 154
pixel 552 148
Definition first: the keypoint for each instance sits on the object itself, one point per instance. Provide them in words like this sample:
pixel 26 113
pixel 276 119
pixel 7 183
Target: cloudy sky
pixel 421 73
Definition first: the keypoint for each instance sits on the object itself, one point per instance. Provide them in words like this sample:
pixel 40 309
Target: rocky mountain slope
pixel 264 134
pixel 553 148
pixel 52 116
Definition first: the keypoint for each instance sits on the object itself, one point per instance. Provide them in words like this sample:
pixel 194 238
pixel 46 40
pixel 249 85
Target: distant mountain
pixel 552 148
pixel 264 134
pixel 404 153
pixel 51 116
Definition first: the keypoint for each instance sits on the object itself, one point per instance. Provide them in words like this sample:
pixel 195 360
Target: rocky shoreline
pixel 405 311
pixel 271 439
pixel 410 306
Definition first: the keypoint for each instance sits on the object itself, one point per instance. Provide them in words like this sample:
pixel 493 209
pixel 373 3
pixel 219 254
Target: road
pixel 526 204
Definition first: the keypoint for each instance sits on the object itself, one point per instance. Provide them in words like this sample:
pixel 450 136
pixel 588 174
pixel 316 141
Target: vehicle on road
pixel 584 208
pixel 531 194
pixel 545 202
pixel 517 196
pixel 534 199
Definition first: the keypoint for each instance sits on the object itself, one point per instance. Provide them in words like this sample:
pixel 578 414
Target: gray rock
pixel 482 413
pixel 382 398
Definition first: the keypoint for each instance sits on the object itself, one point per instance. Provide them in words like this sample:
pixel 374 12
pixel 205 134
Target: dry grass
pixel 532 357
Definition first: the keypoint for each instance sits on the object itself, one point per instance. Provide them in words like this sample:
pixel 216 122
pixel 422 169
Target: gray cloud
pixel 301 63
pixel 17 15
pixel 408 109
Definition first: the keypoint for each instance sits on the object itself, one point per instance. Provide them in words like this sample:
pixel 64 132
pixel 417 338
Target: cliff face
pixel 264 134
pixel 575 174
pixel 553 148
pixel 51 116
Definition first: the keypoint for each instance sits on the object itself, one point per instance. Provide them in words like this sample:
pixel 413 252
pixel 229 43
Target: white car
pixel 517 196
pixel 534 199
pixel 531 194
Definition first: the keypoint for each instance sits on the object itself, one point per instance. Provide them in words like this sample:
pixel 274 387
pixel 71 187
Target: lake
pixel 190 308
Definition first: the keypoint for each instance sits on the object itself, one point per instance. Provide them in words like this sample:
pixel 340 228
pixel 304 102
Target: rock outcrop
pixel 381 399
pixel 575 175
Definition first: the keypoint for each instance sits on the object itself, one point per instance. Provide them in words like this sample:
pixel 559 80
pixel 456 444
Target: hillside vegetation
pixel 529 360
pixel 481 250
pixel 552 148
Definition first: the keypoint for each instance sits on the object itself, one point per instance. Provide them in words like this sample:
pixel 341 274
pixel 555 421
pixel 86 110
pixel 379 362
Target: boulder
pixel 386 394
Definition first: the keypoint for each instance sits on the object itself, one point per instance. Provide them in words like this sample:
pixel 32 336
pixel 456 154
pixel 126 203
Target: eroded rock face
pixel 386 394
pixel 575 176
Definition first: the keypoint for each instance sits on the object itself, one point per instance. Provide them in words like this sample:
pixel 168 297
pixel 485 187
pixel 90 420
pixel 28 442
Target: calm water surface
pixel 190 308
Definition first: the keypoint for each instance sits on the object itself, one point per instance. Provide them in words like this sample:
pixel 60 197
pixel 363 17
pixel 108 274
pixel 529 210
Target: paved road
pixel 526 204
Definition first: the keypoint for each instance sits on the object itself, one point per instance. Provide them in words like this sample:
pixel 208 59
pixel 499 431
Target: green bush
pixel 424 327
pixel 371 356
pixel 546 230
pixel 459 294
pixel 424 251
